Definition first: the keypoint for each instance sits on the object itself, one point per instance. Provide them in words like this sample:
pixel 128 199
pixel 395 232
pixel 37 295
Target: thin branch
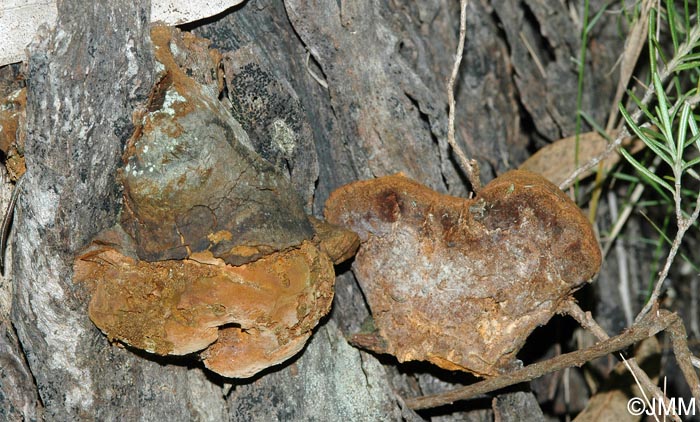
pixel 612 146
pixel 679 342
pixel 683 50
pixel 585 319
pixel 683 225
pixel 645 328
pixel 470 167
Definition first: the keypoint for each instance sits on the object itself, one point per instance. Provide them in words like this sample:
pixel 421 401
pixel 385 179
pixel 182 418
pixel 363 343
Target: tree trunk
pixel 383 111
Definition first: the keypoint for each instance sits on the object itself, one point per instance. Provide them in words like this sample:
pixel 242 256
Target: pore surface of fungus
pixel 462 283
pixel 214 253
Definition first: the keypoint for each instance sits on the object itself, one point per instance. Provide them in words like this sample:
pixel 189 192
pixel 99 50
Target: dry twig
pixel 683 225
pixel 585 319
pixel 679 343
pixel 470 167
pixel 643 329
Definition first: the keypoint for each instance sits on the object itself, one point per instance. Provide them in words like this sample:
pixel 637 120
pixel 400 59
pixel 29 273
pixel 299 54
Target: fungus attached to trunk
pixel 245 318
pixel 214 253
pixel 463 282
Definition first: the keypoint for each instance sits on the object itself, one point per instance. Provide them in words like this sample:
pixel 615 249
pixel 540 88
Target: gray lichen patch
pixel 171 98
pixel 283 137
pixel 271 113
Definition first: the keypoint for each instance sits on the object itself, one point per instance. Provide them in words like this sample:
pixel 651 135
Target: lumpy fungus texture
pixel 213 253
pixel 462 282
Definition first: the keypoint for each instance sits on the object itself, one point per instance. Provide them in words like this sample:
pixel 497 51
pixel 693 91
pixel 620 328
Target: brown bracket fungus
pixel 462 283
pixel 245 318
pixel 214 253
pixel 12 130
pixel 192 182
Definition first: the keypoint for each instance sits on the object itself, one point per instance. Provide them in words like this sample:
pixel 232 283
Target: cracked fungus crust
pixel 214 253
pixel 462 283
pixel 190 171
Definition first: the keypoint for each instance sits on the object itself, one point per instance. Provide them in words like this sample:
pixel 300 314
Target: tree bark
pixel 85 78
pixel 383 111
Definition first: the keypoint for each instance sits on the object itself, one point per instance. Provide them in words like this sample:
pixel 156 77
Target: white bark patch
pixel 62 329
pixel 19 19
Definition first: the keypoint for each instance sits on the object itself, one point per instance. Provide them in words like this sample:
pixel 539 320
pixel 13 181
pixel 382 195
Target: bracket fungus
pixel 462 282
pixel 214 253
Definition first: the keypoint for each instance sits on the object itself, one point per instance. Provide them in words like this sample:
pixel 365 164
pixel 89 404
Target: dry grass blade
pixel 610 400
pixel 636 40
pixel 7 221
